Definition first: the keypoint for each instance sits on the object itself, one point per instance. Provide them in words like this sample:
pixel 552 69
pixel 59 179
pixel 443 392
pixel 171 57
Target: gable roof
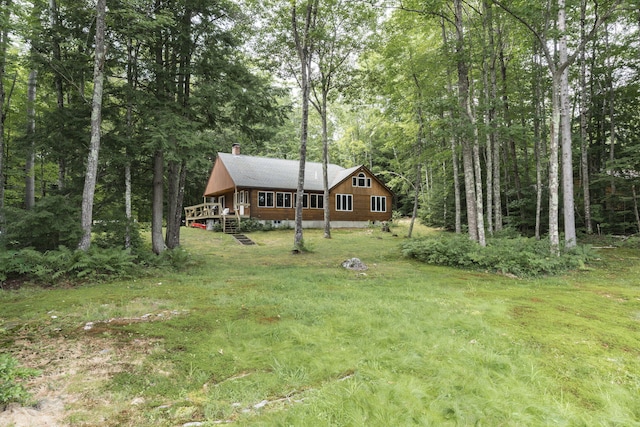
pixel 265 172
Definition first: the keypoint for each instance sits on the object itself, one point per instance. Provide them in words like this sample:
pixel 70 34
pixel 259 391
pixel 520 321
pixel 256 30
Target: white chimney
pixel 235 149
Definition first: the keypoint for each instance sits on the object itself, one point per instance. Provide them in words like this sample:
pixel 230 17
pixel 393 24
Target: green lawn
pixel 257 336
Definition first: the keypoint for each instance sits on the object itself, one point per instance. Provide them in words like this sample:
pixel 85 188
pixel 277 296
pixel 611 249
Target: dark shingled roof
pixel 265 172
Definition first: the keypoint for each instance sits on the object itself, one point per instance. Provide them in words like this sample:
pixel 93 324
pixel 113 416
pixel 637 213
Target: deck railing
pixel 202 211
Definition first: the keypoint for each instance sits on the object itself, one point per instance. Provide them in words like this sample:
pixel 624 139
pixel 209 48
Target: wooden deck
pixel 203 211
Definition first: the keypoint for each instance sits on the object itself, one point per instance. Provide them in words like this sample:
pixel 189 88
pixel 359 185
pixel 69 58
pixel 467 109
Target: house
pixel 265 189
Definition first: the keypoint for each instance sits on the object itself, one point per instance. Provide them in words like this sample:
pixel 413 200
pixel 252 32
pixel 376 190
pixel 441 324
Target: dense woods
pixel 480 115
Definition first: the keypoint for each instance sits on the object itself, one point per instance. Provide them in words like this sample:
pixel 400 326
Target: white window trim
pixel 344 197
pixel 284 199
pixel 378 200
pixel 266 199
pixel 355 180
pixel 319 198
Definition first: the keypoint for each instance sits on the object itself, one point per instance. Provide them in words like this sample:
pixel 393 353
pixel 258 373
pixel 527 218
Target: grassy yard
pixel 256 336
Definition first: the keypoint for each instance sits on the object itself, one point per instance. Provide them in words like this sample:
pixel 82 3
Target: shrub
pixel 112 233
pixel 52 222
pixel 518 256
pixel 63 263
pixel 11 389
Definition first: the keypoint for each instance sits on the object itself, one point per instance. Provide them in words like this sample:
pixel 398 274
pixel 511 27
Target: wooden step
pixel 244 240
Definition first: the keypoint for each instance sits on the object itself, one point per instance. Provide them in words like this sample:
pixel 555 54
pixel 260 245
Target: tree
pixel 560 122
pixel 5 17
pixel 30 184
pixel 339 34
pixel 96 122
pixel 303 24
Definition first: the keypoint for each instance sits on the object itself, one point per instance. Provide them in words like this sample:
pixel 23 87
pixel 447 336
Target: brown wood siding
pixel 219 181
pixel 279 214
pixel 361 200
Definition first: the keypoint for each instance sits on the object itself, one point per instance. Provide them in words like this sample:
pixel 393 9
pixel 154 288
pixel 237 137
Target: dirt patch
pixel 73 371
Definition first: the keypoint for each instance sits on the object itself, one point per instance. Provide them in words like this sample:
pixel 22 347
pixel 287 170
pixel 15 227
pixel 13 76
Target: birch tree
pixel 96 122
pixel 303 24
pixel 558 66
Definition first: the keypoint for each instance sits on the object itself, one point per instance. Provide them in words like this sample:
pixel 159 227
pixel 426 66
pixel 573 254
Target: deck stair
pixel 244 240
pixel 231 227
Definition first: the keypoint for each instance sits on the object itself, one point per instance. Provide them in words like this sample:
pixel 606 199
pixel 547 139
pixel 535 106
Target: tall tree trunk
pixel 456 186
pixel 538 135
pixel 554 233
pixel 127 205
pixel 127 166
pixel 568 203
pixel 454 155
pixel 157 203
pixel 96 121
pixel 57 79
pixel 584 111
pixel 177 177
pixel 487 63
pixel 463 101
pixel 325 163
pixel 635 206
pixel 612 121
pixel 4 42
pixel 29 171
pixel 303 40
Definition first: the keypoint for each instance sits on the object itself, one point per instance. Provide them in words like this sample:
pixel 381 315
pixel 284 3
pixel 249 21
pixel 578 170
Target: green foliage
pixel 65 264
pixel 51 223
pixel 11 389
pixel 519 256
pixel 112 234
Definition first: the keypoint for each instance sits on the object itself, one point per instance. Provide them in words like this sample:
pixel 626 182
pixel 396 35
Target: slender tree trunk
pixel 463 101
pixel 29 171
pixel 584 108
pixel 96 121
pixel 635 206
pixel 127 205
pixel 567 155
pixel 488 67
pixel 57 79
pixel 612 118
pixel 325 164
pixel 554 234
pixel 127 166
pixel 4 42
pixel 303 49
pixel 456 186
pixel 538 137
pixel 454 157
pixel 157 202
pixel 479 196
pixel 416 198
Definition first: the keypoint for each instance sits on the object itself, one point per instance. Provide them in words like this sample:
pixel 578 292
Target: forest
pixel 480 115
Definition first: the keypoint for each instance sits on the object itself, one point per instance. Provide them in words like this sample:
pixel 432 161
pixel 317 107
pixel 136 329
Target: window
pixel 283 200
pixel 265 199
pixel 242 197
pixel 344 202
pixel 317 201
pixel 305 200
pixel 378 204
pixel 361 181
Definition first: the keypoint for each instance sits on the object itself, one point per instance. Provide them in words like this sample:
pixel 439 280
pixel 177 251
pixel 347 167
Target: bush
pixel 518 256
pixel 52 222
pixel 11 389
pixel 63 263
